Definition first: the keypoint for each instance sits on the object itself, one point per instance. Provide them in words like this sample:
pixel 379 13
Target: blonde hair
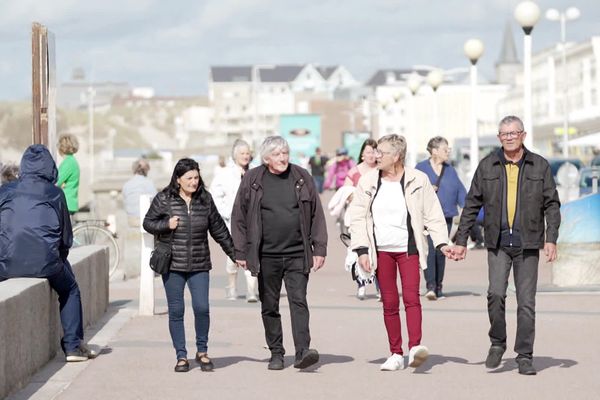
pixel 398 144
pixel 68 144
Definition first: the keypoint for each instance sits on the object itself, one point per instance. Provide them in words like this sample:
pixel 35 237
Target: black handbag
pixel 160 260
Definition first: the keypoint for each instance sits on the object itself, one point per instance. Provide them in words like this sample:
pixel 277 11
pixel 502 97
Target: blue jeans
pixel 319 183
pixel 198 283
pixel 436 265
pixel 69 299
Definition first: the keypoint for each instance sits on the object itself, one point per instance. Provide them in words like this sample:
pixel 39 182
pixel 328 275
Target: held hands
pixel 241 264
pixel 455 253
pixel 173 222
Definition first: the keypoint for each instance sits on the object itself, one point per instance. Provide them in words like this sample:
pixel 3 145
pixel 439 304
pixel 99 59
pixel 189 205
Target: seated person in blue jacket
pixel 35 237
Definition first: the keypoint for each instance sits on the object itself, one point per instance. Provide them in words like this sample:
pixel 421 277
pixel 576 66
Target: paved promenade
pixel 137 359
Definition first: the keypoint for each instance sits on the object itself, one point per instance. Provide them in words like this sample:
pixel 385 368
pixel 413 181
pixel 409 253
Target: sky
pixel 170 45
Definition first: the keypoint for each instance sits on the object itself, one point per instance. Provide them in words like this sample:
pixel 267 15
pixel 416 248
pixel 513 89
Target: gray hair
pixel 398 144
pixel 140 167
pixel 8 172
pixel 435 143
pixel 509 119
pixel 270 144
pixel 237 146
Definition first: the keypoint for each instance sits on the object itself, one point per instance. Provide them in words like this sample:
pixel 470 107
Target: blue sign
pixel 302 132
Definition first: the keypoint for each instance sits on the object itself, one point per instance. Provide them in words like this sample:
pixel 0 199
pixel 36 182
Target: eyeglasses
pixel 504 135
pixel 380 153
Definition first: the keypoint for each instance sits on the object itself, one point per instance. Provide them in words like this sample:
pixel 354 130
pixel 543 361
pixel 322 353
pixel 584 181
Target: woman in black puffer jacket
pixel 183 213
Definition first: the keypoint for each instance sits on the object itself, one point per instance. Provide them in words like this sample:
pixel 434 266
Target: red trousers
pixel 408 265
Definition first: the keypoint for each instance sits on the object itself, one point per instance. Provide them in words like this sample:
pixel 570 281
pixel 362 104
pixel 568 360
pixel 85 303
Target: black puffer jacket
pixel 190 238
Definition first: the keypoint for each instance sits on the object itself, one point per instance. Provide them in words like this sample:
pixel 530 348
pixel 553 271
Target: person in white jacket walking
pixel 389 212
pixel 224 188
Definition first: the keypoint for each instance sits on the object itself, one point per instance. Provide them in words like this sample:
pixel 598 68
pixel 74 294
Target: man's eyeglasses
pixel 504 135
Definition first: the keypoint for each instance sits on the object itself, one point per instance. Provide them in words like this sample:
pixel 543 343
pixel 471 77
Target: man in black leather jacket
pixel 522 215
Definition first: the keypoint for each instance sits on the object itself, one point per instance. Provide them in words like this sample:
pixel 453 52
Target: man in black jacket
pixel 517 190
pixel 279 233
pixel 35 237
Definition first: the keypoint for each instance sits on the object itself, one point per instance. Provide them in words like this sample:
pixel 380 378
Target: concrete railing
pixel 30 329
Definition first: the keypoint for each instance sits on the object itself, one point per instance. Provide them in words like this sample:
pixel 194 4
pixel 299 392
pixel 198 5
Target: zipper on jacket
pixel 189 207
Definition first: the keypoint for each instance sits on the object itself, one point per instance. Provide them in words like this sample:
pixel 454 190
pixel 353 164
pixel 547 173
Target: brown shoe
pixel 205 362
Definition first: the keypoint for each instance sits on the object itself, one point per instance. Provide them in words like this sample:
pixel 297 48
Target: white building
pixel 445 112
pixel 548 95
pixel 248 100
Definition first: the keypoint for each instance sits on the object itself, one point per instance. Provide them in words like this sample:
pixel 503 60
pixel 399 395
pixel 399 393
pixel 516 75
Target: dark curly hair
pixel 181 168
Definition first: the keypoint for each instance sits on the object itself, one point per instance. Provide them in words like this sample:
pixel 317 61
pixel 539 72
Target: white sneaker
pixel 430 295
pixel 360 294
pixel 393 363
pixel 417 356
pixel 251 299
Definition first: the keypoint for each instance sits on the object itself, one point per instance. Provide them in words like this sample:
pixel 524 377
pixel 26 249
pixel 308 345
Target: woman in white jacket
pixel 389 212
pixel 224 189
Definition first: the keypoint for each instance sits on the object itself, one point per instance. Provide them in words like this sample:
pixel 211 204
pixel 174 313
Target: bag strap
pixel 439 179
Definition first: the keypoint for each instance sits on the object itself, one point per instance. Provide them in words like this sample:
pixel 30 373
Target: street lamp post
pixel 435 78
pixel 572 13
pixel 473 49
pixel 527 14
pixel 413 83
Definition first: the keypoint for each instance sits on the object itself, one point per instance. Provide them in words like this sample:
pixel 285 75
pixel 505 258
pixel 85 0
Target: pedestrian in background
pixel 68 171
pixel 522 216
pixel 389 212
pixel 182 215
pixel 317 168
pixel 35 238
pixel 279 230
pixel 451 194
pixel 367 162
pixel 338 169
pixel 224 188
pixel 138 185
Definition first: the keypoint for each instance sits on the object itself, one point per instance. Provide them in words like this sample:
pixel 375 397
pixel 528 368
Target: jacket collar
pixel 501 159
pixel 262 170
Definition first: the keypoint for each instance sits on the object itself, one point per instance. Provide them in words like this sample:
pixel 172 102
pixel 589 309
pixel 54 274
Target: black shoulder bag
pixel 436 187
pixel 160 260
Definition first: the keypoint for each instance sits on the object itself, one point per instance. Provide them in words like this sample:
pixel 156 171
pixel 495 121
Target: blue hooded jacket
pixel 35 228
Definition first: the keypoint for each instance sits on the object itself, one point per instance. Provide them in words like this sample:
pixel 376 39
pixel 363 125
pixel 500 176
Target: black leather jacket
pixel 190 239
pixel 538 206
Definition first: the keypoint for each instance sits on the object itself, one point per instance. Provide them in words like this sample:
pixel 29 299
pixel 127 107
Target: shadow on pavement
pixel 438 359
pixel 119 303
pixel 459 293
pixel 540 363
pixel 223 362
pixel 325 359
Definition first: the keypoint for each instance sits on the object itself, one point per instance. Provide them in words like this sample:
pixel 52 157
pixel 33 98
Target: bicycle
pixel 96 232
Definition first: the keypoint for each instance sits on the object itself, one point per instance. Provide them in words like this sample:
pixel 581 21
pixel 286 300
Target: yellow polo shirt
pixel 512 188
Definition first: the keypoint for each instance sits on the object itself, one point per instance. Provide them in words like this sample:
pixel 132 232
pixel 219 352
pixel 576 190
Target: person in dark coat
pixel 35 238
pixel 279 230
pixel 522 216
pixel 183 214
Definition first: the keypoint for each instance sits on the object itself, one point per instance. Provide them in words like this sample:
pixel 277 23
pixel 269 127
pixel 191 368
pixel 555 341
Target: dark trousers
pixel 436 265
pixel 525 272
pixel 274 270
pixel 69 300
pixel 319 182
pixel 198 283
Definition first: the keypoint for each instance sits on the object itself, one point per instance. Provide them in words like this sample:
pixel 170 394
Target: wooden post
pixel 43 80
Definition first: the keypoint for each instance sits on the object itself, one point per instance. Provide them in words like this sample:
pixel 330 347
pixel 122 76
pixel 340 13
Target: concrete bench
pixel 30 329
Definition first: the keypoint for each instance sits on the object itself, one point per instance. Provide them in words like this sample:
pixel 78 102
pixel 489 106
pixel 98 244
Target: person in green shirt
pixel 68 171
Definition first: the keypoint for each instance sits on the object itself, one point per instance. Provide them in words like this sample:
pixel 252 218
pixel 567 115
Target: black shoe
pixel 182 365
pixel 308 358
pixel 206 364
pixel 81 353
pixel 276 362
pixel 526 366
pixel 494 357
